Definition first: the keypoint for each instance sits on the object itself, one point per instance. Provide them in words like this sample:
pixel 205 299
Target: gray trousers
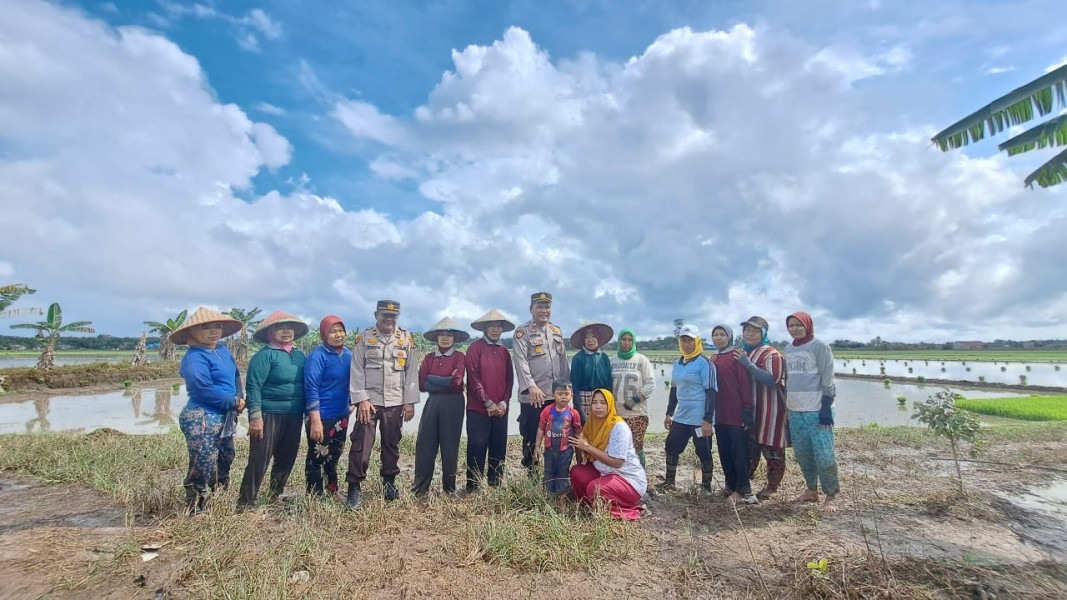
pixel 389 421
pixel 280 442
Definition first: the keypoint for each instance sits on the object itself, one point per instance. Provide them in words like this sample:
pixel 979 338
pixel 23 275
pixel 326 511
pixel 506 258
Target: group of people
pixel 583 420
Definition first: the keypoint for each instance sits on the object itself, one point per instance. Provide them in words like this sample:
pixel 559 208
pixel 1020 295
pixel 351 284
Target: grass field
pixel 1033 408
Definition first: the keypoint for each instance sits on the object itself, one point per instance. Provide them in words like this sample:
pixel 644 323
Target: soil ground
pixel 902 533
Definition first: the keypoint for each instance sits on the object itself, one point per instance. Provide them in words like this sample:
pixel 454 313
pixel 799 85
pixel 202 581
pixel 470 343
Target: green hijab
pixel 633 349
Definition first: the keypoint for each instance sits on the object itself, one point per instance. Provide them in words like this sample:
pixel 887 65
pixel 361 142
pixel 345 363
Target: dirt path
pixel 901 534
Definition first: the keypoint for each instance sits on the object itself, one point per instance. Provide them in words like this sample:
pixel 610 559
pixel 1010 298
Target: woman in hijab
pixel 612 472
pixel 590 368
pixel 633 382
pixel 766 368
pixel 810 398
pixel 209 418
pixel 690 408
pixel 275 391
pixel 733 415
pixel 441 424
pixel 326 401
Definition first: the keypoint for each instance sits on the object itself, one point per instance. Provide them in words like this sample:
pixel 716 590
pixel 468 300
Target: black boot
pixel 389 487
pixel 672 473
pixel 706 471
pixel 355 497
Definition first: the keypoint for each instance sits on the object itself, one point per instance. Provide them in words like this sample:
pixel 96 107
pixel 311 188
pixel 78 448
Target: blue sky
pixel 643 160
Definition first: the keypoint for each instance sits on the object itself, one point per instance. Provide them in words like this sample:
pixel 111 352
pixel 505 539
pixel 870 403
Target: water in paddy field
pixel 28 361
pixel 859 403
pixel 1036 373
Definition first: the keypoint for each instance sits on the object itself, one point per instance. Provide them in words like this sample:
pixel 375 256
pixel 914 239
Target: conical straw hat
pixel 603 332
pixel 447 324
pixel 230 326
pixel 491 316
pixel 278 316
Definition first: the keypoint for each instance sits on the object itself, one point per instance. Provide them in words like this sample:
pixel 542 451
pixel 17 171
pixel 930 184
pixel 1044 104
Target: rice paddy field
pixel 1031 408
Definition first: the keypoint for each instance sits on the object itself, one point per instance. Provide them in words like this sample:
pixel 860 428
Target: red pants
pixel 617 493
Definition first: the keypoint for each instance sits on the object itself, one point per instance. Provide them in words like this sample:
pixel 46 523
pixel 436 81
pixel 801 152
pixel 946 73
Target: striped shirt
pixel 771 414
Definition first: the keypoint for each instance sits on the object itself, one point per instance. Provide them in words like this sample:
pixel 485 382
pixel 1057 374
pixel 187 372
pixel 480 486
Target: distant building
pixel 968 345
pixel 1030 344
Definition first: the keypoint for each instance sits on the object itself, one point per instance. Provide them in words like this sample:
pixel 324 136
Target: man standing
pixel 383 389
pixel 540 359
pixel 490 380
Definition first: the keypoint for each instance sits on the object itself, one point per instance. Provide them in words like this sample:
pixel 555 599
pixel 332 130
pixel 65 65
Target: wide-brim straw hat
pixel 300 328
pixel 603 332
pixel 447 324
pixel 230 325
pixel 492 317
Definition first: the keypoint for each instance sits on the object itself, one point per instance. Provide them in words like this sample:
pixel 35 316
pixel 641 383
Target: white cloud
pixel 269 109
pixel 999 70
pixel 1054 66
pixel 247 29
pixel 712 176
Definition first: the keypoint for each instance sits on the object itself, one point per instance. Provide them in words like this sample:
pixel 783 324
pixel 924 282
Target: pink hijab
pixel 324 328
pixel 809 328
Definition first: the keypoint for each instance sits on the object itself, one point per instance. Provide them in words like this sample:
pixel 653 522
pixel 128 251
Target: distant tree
pixel 1043 96
pixel 167 351
pixel 50 328
pixel 240 346
pixel 9 294
pixel 678 326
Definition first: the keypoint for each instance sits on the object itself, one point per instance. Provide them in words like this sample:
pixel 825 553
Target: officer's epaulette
pixel 554 329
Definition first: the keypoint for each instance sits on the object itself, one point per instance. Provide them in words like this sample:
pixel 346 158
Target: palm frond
pixel 38 326
pixel 1051 173
pixel 80 326
pixel 1041 96
pixel 1049 133
pixel 55 315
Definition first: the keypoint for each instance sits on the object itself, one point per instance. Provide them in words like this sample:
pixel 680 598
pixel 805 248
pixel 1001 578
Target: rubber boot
pixel 355 497
pixel 389 488
pixel 706 472
pixel 672 473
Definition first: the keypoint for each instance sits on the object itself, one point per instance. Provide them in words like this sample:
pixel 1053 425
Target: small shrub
pixel 910 370
pixel 1022 379
pixel 1002 369
pixel 126 383
pixel 921 379
pixel 902 400
pixel 940 414
pixel 981 378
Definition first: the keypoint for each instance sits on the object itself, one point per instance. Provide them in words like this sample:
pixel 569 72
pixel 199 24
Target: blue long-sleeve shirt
pixel 211 378
pixel 326 375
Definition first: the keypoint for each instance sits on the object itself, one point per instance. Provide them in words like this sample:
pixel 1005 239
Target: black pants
pixel 485 434
pixel 323 456
pixel 678 437
pixel 733 456
pixel 440 428
pixel 389 421
pixel 529 417
pixel 280 442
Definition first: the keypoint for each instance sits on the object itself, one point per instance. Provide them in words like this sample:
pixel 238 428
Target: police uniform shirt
pixel 384 369
pixel 540 358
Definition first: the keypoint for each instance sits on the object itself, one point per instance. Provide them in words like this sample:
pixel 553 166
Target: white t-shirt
pixel 621 445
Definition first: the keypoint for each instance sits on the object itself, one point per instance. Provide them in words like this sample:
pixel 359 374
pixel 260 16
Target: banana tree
pixel 1041 97
pixel 51 327
pixel 9 294
pixel 167 351
pixel 240 346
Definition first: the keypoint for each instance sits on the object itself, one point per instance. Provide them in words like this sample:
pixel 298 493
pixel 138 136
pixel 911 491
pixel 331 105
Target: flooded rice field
pixel 150 410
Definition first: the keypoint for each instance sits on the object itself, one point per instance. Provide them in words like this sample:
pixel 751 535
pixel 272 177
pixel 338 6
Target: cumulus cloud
pixel 713 175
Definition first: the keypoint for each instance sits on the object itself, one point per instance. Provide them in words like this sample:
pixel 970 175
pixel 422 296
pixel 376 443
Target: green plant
pixel 887 381
pixel 910 370
pixel 126 383
pixel 1031 408
pixel 51 327
pixel 1022 379
pixel 902 400
pixel 940 414
pixel 9 294
pixel 968 369
pixel 920 379
pixel 819 568
pixel 165 328
pixel 981 378
pixel 176 387
pixel 853 370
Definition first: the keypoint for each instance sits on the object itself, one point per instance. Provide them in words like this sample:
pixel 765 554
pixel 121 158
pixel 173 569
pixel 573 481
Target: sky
pixel 642 161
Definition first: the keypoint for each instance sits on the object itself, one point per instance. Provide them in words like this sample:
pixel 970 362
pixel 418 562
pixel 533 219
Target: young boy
pixel 557 424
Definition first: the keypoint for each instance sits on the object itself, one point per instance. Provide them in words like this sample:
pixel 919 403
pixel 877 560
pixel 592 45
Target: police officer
pixel 384 388
pixel 540 358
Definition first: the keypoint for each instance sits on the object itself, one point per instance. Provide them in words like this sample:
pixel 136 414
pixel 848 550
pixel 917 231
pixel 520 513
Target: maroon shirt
pixel 443 366
pixel 735 390
pixel 490 375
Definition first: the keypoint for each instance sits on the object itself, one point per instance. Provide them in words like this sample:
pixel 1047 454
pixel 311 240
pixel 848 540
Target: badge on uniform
pixel 539 350
pixel 372 340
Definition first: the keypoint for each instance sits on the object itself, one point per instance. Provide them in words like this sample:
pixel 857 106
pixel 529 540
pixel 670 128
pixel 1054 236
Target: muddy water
pixel 1043 518
pixel 1035 373
pixel 859 403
